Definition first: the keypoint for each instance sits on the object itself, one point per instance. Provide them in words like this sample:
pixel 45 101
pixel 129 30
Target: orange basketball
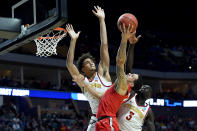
pixel 127 19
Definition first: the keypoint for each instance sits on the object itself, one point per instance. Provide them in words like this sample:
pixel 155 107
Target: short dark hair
pixel 82 58
pixel 138 83
pixel 150 91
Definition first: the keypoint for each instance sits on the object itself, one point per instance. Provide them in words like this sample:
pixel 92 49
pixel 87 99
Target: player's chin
pixel 93 69
pixel 131 84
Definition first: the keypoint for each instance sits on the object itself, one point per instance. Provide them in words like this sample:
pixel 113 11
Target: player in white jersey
pixel 135 111
pixel 98 79
pixel 100 85
pixel 135 121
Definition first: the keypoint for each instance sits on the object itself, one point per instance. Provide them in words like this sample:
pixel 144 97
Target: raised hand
pixel 133 39
pixel 71 31
pixel 99 12
pixel 126 32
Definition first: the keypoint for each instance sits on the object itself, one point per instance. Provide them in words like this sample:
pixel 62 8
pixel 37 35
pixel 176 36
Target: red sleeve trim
pixel 101 81
pixel 147 112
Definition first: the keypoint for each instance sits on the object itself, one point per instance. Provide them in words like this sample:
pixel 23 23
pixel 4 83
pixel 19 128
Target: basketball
pixel 127 19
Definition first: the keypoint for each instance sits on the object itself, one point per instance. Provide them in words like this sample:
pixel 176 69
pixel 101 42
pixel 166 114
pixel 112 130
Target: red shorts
pixel 107 124
pixel 108 106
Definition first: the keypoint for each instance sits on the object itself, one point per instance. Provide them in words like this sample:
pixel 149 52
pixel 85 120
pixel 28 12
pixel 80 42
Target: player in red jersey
pixel 114 97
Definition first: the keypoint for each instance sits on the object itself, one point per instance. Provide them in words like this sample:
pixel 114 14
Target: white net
pixel 46 45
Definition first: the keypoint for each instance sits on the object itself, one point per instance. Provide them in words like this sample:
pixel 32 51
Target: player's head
pixel 145 91
pixel 86 63
pixel 131 78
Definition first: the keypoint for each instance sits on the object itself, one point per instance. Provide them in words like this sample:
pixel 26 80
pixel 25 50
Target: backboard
pixel 41 16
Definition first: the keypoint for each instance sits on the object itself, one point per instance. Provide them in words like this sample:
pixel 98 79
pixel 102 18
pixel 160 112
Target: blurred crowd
pixel 38 84
pixel 28 84
pixel 175 123
pixel 13 120
pixel 166 58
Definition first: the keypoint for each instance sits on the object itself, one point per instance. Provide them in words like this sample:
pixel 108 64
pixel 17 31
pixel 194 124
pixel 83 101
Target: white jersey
pixel 100 85
pixel 131 115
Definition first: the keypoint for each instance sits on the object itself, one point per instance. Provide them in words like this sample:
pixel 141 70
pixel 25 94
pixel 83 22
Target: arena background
pixel 38 93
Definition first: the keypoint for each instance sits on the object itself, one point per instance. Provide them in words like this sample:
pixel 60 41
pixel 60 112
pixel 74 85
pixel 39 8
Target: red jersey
pixel 110 102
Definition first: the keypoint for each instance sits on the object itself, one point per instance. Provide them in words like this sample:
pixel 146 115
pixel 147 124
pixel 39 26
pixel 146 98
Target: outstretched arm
pixel 103 68
pixel 130 54
pixel 121 83
pixel 70 56
pixel 79 79
pixel 150 121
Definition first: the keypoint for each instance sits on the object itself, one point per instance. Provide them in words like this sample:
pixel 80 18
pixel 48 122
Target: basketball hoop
pixel 46 45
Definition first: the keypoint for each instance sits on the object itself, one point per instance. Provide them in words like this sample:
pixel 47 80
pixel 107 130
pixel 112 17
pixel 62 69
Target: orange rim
pixel 60 29
pixel 54 37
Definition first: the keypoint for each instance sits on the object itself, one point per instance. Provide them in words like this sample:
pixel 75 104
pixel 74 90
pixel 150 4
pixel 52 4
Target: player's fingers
pixel 78 32
pixel 94 12
pixel 71 27
pixel 133 33
pixel 139 36
pixel 120 27
pixel 132 28
pixel 82 77
pixel 95 8
pixel 98 7
pixel 123 27
pixel 74 78
pixel 67 27
pixel 137 39
pixel 129 28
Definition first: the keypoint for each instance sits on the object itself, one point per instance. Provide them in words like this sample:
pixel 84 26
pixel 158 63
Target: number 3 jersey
pixel 131 115
pixel 100 85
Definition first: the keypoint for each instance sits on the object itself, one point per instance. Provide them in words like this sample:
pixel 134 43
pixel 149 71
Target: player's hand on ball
pixel 126 32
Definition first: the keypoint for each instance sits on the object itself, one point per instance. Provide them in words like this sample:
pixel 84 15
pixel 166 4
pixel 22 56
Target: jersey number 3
pixel 130 115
